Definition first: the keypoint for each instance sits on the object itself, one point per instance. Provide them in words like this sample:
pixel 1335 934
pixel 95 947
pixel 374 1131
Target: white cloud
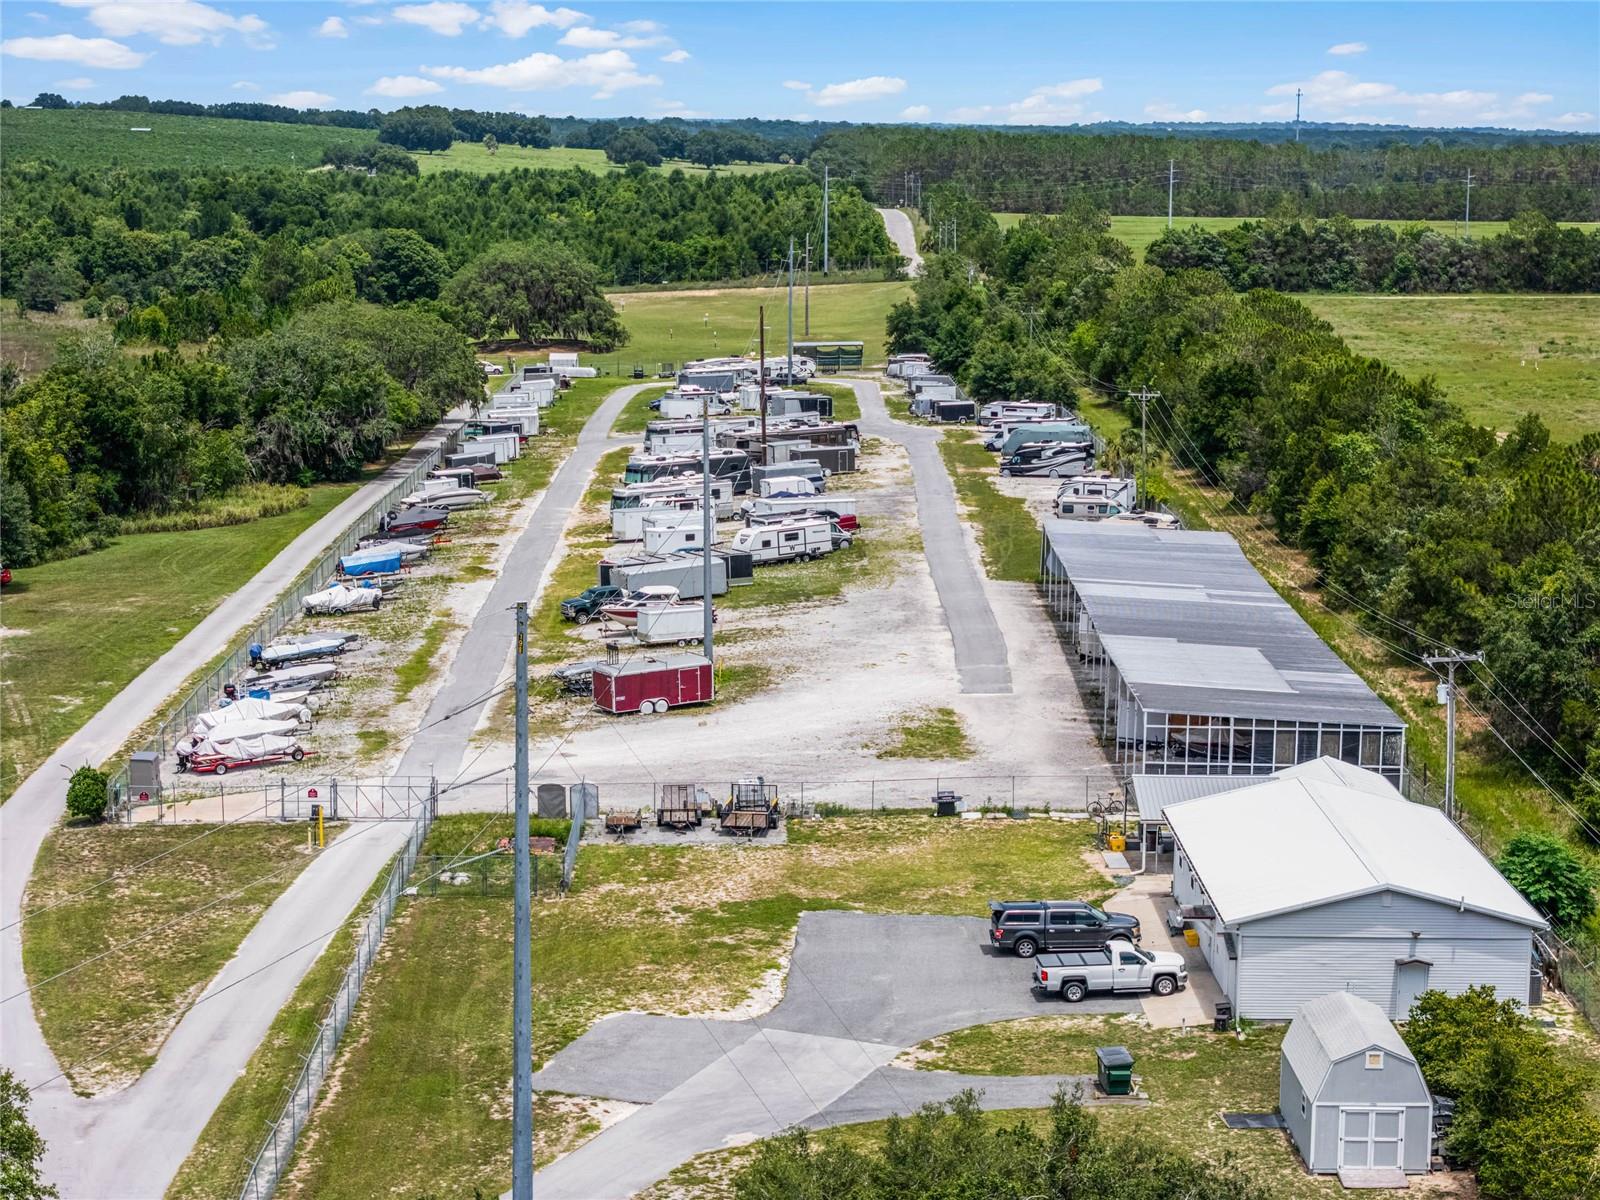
pixel 608 72
pixel 403 87
pixel 855 91
pixel 303 99
pixel 796 85
pixel 172 22
pixel 1342 96
pixel 1573 118
pixel 1053 104
pixel 916 112
pixel 244 85
pixel 587 37
pixel 80 84
pixel 447 18
pixel 676 108
pixel 1161 110
pixel 641 27
pixel 515 17
pixel 1346 48
pixel 677 56
pixel 333 27
pixel 67 47
pixel 369 20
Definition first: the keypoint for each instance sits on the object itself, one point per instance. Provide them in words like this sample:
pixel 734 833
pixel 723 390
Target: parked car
pixel 5 576
pixel 1118 966
pixel 1029 926
pixel 585 606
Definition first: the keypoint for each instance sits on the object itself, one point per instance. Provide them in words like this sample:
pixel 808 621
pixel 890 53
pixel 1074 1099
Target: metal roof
pixel 1331 841
pixel 1330 1029
pixel 1193 628
pixel 1152 793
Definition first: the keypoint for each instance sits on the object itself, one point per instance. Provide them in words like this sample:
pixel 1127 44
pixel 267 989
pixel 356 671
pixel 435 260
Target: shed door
pixel 1371 1137
pixel 1410 981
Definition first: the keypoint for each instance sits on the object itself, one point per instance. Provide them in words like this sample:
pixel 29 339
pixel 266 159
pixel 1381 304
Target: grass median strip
pixel 168 956
pixel 663 929
pixel 931 733
pixel 1007 531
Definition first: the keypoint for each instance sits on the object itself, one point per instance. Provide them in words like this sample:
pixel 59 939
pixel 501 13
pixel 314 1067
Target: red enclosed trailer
pixel 652 684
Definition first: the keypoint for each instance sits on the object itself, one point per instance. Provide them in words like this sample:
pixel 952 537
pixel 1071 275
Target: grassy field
pixel 1139 232
pixel 676 326
pixel 928 733
pixel 1007 531
pixel 427 1065
pixel 473 158
pixel 92 138
pixel 79 630
pixel 1497 356
pixel 30 342
pixel 235 872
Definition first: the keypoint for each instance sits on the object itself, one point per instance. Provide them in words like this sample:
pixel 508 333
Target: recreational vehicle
pixel 841 508
pixel 627 524
pixel 1017 410
pixel 1092 497
pixel 1048 458
pixel 778 539
pixel 669 534
pixel 1047 431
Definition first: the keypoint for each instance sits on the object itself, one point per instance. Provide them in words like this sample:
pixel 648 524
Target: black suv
pixel 1029 926
pixel 584 606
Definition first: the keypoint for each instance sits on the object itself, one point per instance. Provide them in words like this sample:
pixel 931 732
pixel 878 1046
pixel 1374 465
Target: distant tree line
pixel 1533 255
pixel 1393 179
pixel 1426 526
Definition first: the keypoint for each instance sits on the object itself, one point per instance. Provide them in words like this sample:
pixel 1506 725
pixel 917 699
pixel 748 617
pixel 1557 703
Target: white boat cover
pixel 279 708
pixel 289 649
pixel 408 551
pixel 252 746
pixel 340 599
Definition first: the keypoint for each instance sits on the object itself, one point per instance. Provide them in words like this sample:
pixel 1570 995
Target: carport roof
pixel 1333 841
pixel 1193 628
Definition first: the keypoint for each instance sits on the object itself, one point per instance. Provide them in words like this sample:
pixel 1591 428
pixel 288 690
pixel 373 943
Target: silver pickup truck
pixel 1118 966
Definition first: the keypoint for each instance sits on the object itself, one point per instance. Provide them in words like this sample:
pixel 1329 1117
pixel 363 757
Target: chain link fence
pixel 284 610
pixel 266 1169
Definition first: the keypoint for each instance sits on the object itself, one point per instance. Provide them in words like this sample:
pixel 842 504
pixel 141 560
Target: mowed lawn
pixel 673 327
pixel 77 631
pixel 1139 232
pixel 155 911
pixel 1499 356
pixel 473 158
pixel 426 1068
pixel 96 138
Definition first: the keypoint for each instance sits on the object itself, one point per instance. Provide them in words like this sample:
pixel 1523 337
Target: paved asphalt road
pixel 129 1145
pixel 980 647
pixel 904 236
pixel 860 990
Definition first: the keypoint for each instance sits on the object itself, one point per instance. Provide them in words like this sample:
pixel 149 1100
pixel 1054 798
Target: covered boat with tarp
pixel 221 752
pixel 383 559
pixel 252 709
pixel 341 598
pixel 292 678
pixel 301 648
pixel 413 520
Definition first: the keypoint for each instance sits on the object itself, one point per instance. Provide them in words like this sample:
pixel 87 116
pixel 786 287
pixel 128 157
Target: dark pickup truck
pixel 583 607
pixel 1029 926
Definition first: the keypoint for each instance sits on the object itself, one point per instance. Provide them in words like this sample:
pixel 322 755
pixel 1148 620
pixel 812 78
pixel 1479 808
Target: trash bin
pixel 1224 1017
pixel 1115 1070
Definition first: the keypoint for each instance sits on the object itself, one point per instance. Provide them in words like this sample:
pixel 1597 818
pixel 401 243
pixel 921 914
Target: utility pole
pixel 1171 164
pixel 522 946
pixel 1447 697
pixel 1297 116
pixel 808 285
pixel 1469 203
pixel 788 379
pixel 707 519
pixel 762 374
pixel 1030 313
pixel 824 220
pixel 1145 395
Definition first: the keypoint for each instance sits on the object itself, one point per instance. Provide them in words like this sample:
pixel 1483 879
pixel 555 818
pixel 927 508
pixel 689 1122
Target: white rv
pixel 690 401
pixel 841 508
pixel 679 530
pixel 567 364
pixel 627 524
pixel 1003 410
pixel 675 487
pixel 527 418
pixel 770 541
pixel 1093 497
pixel 788 485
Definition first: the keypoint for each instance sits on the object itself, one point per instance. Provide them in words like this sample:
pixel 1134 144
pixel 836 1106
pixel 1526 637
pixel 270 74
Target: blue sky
pixel 1524 65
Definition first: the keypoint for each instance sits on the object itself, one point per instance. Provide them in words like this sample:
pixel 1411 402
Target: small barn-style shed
pixel 1351 1095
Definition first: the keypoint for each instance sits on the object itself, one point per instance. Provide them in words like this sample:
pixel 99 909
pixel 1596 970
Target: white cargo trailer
pixel 673 532
pixel 678 623
pixel 627 524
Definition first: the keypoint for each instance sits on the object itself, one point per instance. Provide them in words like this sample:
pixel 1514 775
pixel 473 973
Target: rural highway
pixel 130 1144
pixel 980 647
pixel 904 236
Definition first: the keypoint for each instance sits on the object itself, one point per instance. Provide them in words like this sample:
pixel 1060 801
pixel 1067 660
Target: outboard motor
pixel 230 691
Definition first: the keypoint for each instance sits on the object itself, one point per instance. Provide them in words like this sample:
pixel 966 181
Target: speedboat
pixel 275 709
pixel 413 520
pixel 342 599
pixel 625 612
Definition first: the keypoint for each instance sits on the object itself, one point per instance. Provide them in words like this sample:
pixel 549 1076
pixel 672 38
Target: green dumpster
pixel 1115 1072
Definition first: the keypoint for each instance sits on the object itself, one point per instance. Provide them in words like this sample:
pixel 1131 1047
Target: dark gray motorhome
pixel 1054 459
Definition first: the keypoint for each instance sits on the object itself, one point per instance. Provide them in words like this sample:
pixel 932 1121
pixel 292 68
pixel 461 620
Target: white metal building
pixel 1350 1092
pixel 1201 667
pixel 1304 886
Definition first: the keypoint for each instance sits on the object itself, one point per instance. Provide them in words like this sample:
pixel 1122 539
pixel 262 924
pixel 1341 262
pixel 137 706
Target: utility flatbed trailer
pixel 752 808
pixel 623 823
pixel 678 807
pixel 745 822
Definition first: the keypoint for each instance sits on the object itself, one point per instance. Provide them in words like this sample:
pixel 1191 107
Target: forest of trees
pixel 1043 172
pixel 201 244
pixel 1429 528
